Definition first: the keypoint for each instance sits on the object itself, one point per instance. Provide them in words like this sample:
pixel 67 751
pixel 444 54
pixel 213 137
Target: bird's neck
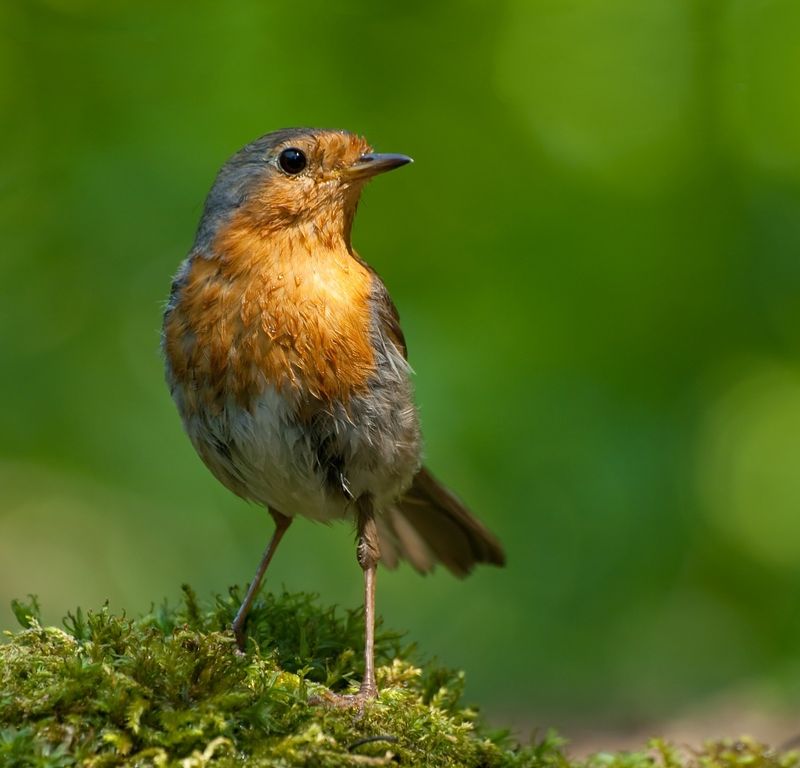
pixel 316 225
pixel 306 246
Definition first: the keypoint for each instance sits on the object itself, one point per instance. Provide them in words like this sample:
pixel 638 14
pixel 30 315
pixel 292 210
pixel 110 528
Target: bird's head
pixel 298 178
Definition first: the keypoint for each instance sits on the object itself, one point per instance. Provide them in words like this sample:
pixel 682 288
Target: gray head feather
pixel 236 178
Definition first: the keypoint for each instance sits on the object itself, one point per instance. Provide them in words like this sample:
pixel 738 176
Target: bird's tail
pixel 429 525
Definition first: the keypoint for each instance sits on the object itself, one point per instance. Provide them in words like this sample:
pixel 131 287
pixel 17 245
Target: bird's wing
pixel 428 524
pixel 388 315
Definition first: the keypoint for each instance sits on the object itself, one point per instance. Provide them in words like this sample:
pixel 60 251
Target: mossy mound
pixel 170 689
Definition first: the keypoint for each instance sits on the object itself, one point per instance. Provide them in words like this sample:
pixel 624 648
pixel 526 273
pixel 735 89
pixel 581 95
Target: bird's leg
pixel 369 553
pixel 281 524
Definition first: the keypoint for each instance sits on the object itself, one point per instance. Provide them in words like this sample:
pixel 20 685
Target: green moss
pixel 170 689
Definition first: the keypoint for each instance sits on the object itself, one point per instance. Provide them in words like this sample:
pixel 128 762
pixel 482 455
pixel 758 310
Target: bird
pixel 286 360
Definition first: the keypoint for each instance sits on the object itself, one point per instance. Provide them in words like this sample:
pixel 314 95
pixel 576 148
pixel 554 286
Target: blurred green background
pixel 597 261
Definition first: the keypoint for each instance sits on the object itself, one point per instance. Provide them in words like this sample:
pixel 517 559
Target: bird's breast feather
pixel 275 310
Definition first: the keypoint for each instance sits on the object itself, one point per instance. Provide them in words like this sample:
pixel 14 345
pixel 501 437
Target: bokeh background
pixel 597 261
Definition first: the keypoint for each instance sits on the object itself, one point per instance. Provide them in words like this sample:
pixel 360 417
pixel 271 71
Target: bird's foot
pixel 239 636
pixel 358 700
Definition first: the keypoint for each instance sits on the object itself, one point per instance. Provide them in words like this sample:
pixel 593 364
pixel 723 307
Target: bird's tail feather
pixel 429 525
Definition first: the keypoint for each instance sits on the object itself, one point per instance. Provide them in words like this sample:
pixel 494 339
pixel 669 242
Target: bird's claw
pixel 346 701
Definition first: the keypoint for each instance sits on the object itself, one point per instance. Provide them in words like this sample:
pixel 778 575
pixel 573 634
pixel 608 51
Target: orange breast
pixel 281 310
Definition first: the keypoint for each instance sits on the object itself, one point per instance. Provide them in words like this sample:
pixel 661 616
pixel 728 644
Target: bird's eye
pixel 292 160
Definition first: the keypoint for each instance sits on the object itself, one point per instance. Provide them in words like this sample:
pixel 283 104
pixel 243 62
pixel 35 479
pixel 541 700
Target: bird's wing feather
pixel 388 315
pixel 428 524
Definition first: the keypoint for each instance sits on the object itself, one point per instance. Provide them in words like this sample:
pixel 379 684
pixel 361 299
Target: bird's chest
pixel 300 326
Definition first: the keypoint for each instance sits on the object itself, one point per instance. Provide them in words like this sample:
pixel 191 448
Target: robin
pixel 286 360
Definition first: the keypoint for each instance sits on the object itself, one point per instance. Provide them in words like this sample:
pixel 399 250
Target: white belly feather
pixel 268 455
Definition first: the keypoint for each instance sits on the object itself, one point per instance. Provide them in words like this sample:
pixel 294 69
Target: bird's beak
pixel 372 164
